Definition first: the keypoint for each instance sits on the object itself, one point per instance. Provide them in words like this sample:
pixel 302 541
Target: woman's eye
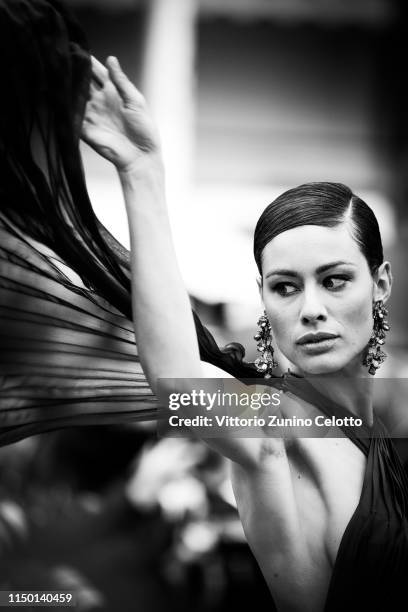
pixel 335 282
pixel 284 289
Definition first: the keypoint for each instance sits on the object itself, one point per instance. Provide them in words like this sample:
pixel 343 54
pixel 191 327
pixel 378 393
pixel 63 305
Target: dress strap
pixel 361 436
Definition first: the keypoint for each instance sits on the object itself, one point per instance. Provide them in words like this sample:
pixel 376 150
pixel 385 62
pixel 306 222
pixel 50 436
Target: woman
pixel 325 518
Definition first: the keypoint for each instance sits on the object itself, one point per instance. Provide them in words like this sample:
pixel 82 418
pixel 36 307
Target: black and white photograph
pixel 203 297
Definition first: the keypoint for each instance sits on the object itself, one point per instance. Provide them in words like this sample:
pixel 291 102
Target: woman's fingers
pixel 113 72
pixel 96 84
pixel 99 72
pixel 116 121
pixel 126 89
pixel 94 88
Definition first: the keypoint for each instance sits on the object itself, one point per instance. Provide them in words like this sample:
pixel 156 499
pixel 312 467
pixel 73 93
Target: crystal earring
pixel 375 356
pixel 266 362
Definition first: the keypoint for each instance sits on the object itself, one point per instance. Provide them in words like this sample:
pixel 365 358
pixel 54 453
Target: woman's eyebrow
pixel 319 270
pixel 333 264
pixel 281 273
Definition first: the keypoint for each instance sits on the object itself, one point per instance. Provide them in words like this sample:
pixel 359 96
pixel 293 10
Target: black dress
pixel 68 357
pixel 371 568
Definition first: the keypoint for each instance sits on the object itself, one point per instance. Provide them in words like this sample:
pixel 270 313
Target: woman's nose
pixel 312 308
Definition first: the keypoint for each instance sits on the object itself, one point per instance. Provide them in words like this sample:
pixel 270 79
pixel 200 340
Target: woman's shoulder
pixel 211 371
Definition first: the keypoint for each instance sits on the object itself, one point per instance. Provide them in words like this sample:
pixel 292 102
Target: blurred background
pixel 251 97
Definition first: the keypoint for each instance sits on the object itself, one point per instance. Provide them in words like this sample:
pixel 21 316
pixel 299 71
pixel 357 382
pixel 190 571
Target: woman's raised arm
pixel 118 126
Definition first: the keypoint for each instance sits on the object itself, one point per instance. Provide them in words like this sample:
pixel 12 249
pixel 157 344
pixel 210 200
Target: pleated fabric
pixel 68 354
pixel 68 357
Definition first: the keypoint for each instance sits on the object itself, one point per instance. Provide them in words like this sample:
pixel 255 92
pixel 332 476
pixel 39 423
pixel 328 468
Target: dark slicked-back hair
pixel 325 204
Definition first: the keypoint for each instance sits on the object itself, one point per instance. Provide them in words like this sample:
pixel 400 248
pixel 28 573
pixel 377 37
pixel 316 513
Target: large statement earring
pixel 375 356
pixel 266 362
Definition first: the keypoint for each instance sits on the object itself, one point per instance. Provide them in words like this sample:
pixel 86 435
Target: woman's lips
pixel 315 343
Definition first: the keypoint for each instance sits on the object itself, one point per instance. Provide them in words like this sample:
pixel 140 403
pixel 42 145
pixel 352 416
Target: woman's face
pixel 318 293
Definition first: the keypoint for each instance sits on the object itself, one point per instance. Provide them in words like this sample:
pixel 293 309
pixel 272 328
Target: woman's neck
pixel 351 387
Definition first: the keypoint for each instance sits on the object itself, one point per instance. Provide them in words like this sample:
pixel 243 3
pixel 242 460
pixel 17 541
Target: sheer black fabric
pixel 68 356
pixel 68 352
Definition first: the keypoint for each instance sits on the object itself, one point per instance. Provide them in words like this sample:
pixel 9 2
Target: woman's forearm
pixel 164 324
pixel 117 125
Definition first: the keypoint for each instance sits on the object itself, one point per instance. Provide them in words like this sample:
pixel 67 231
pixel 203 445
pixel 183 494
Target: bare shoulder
pixel 251 447
pixel 211 371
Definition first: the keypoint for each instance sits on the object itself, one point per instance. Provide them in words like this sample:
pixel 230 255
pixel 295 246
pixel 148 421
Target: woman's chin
pixel 330 362
pixel 322 365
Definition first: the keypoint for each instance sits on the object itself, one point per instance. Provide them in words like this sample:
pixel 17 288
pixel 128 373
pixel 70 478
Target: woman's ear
pixel 383 282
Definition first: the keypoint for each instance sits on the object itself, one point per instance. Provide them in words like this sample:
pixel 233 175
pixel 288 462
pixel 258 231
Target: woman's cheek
pixel 358 310
pixel 282 327
pixel 357 321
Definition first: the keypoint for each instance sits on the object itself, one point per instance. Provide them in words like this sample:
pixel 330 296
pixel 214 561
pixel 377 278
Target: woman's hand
pixel 117 124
